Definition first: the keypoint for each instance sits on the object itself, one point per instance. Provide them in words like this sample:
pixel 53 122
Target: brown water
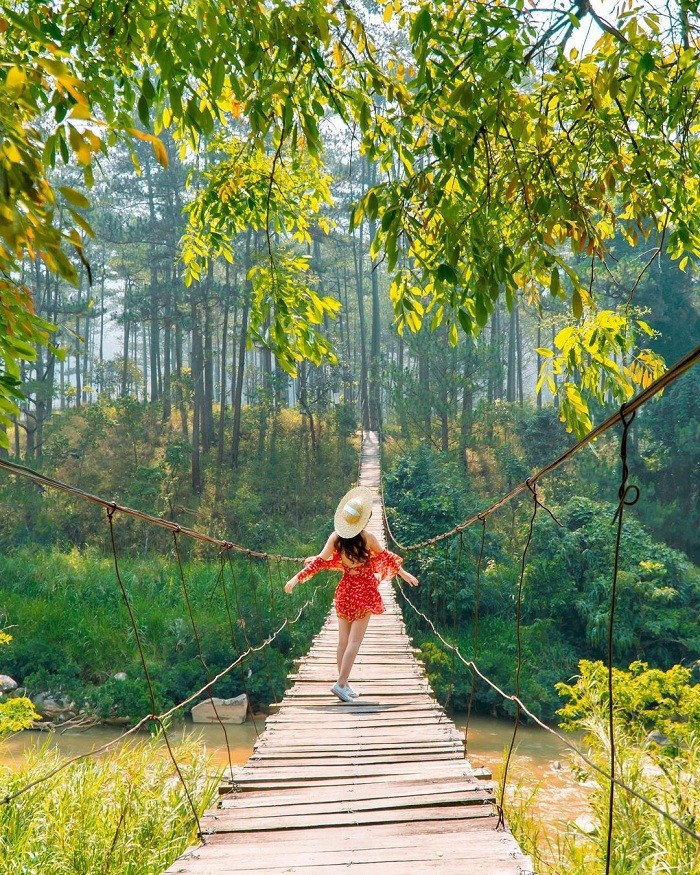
pixel 540 760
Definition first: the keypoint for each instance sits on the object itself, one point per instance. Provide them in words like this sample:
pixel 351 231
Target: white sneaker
pixel 341 692
pixel 349 690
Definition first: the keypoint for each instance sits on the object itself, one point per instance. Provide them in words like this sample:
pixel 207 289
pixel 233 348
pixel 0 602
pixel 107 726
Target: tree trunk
pixel 467 417
pixel 306 408
pixel 358 254
pixel 539 363
pixel 167 346
pixel 510 374
pixel 222 369
pixel 153 288
pixel 519 354
pixel 179 394
pixel 198 381
pixel 243 339
pixel 208 372
pixel 375 351
pixel 424 384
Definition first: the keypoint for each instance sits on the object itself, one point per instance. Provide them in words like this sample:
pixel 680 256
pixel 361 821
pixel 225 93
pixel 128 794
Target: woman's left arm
pixel 376 549
pixel 407 576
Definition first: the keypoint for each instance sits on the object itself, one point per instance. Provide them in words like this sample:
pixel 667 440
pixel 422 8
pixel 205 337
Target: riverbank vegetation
pixel 125 811
pixel 656 717
pixel 567 573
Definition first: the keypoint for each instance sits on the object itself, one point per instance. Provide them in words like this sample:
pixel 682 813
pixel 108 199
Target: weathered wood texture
pixel 380 784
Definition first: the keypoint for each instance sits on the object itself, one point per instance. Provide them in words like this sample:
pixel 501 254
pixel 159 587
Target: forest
pixel 471 228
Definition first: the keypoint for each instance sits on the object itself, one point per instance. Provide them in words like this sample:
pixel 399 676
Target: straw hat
pixel 353 512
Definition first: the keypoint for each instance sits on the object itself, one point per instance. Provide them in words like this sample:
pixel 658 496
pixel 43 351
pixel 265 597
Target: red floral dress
pixel 358 591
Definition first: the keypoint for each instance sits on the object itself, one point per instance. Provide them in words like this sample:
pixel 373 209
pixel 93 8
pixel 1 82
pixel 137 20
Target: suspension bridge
pixel 381 783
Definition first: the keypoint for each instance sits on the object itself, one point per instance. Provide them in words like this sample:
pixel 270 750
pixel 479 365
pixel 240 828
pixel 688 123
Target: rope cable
pixel 684 364
pixel 171 711
pixel 475 648
pixel 455 587
pixel 198 643
pixel 627 495
pixel 512 698
pixel 51 483
pixel 501 824
pixel 146 672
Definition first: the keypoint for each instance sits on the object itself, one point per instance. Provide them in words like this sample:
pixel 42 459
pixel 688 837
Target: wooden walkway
pixel 380 785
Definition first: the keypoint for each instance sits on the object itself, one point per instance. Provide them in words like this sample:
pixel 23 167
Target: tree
pixel 502 146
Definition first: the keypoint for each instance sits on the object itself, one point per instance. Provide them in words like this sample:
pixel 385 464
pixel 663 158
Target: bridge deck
pixel 380 784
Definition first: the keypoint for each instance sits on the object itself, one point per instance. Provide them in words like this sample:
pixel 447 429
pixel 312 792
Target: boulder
pixel 53 707
pixel 658 738
pixel 229 710
pixel 7 684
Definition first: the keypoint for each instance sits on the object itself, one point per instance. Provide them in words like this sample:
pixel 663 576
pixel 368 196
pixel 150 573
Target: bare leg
pixel 357 633
pixel 343 637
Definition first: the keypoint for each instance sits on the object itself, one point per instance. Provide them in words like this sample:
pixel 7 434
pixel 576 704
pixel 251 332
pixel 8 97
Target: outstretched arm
pixel 376 548
pixel 313 564
pixel 408 577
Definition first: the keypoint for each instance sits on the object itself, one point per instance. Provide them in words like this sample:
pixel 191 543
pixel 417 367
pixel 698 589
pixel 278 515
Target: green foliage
pixel 645 699
pixel 281 196
pixel 124 812
pixel 425 495
pixel 499 148
pixel 568 573
pixel 76 634
pixel 586 359
pixel 16 713
pixel 666 773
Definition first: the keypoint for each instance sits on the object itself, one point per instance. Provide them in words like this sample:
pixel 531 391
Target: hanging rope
pixel 198 643
pixel 475 649
pixel 627 496
pixel 162 718
pixel 455 590
pixel 49 482
pixel 501 824
pixel 471 664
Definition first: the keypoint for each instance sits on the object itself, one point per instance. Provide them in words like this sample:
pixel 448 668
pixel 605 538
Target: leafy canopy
pixel 509 159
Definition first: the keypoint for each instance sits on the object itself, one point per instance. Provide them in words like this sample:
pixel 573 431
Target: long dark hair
pixel 354 548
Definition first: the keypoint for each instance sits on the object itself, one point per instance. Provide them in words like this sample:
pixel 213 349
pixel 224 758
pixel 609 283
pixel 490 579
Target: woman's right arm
pixel 314 564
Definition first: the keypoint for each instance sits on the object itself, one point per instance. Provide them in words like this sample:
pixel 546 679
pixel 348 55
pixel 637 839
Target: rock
pixel 656 737
pixel 7 684
pixel 120 676
pixel 52 707
pixel 229 710
pixel 585 824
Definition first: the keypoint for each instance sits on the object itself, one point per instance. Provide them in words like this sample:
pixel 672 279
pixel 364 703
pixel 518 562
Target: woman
pixel 364 562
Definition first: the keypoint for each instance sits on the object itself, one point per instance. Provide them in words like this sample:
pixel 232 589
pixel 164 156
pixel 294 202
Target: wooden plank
pixel 387 788
pixel 455 797
pixel 224 821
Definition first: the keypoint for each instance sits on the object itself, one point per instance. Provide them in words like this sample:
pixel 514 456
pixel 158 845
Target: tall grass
pixel 121 814
pixel 643 841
